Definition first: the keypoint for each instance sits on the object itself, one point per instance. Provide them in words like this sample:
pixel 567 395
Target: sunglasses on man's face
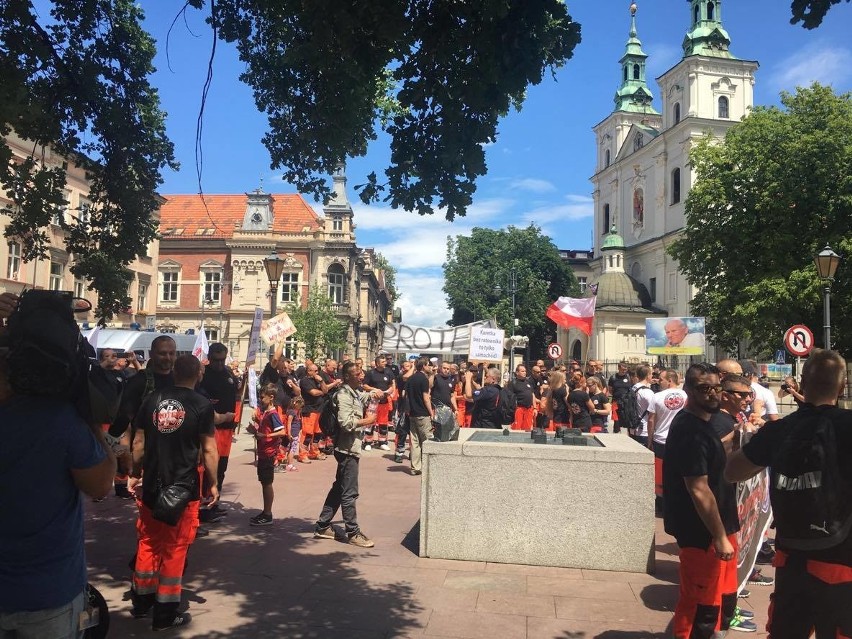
pixel 706 389
pixel 740 394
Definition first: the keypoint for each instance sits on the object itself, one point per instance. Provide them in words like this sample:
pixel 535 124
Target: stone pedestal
pixel 544 505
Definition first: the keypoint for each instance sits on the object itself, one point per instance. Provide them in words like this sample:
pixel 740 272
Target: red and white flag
pixel 201 346
pixel 572 312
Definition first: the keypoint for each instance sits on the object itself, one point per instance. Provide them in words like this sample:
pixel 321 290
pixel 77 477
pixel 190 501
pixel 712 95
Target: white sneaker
pixel 368 447
pixel 384 447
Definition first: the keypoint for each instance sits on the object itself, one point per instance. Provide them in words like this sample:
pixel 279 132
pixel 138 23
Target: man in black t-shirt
pixel 223 389
pixel 314 391
pixel 700 511
pixel 279 371
pixel 619 385
pixel 486 399
pixel 813 588
pixel 380 378
pixel 403 423
pixel 420 410
pixel 174 427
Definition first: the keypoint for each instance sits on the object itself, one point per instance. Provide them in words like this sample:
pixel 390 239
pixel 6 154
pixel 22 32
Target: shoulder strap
pixel 149 382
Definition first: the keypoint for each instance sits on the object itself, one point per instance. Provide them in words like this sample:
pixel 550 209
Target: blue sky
pixel 540 165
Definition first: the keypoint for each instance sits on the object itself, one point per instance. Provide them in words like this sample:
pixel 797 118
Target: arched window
pixel 676 112
pixel 635 71
pixel 711 9
pixel 625 74
pixel 336 279
pixel 606 218
pixel 697 13
pixel 606 161
pixel 723 108
pixel 676 186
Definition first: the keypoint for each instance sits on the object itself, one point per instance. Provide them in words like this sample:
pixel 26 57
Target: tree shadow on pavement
pixel 272 581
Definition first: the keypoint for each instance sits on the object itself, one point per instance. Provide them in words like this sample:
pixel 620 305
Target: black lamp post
pixel 356 326
pixel 209 302
pixel 274 266
pixel 826 262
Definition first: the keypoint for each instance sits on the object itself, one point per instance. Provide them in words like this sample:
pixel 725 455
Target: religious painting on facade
pixel 639 207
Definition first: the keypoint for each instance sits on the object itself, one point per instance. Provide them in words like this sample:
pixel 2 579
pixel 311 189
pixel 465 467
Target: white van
pixel 123 341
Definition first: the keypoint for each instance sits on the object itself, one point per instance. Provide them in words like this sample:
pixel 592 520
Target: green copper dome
pixel 633 95
pixel 612 240
pixel 707 36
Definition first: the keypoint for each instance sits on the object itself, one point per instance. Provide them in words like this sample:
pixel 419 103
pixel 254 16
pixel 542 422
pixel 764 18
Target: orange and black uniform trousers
pixel 810 596
pixel 160 558
pixel 708 592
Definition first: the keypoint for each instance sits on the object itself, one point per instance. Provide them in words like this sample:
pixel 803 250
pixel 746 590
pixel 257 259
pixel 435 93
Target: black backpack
pixel 628 410
pixel 811 501
pixel 507 405
pixel 328 422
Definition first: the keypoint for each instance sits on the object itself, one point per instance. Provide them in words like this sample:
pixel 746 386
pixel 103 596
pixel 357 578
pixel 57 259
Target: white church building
pixel 642 177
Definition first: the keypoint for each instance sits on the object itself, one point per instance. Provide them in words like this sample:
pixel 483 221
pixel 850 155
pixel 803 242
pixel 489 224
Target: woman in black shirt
pixel 601 402
pixel 580 404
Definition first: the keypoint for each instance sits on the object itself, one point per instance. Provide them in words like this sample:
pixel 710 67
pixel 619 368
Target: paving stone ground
pixel 277 581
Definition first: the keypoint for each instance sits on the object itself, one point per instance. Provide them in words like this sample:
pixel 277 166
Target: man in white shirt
pixel 763 406
pixel 644 396
pixel 662 409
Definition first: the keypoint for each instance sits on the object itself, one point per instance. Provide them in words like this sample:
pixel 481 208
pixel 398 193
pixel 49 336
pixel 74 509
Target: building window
pixel 142 297
pixel 626 73
pixel 291 347
pixel 13 266
pixel 635 71
pixel 212 287
pixel 56 272
pixel 289 287
pixel 723 108
pixel 606 223
pixel 606 161
pixel 652 283
pixel 711 11
pixel 170 286
pixel 337 223
pixel 84 211
pixel 336 278
pixel 79 288
pixel 583 284
pixel 676 112
pixel 697 14
pixel 212 334
pixel 676 186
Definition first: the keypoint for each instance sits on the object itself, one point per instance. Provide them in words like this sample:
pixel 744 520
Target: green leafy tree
pixel 78 83
pixel 435 74
pixel 765 201
pixel 317 326
pixel 480 263
pixel 390 277
pixel 811 13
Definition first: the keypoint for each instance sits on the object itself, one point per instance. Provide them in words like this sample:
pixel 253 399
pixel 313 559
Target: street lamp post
pixel 826 262
pixel 209 302
pixel 512 288
pixel 274 266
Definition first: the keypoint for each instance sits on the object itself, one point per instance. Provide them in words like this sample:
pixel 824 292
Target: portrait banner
pixel 674 335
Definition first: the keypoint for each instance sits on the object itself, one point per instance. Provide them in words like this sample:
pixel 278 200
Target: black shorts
pixel 265 471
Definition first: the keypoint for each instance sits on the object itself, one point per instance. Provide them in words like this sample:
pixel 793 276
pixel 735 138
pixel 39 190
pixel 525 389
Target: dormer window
pixel 337 224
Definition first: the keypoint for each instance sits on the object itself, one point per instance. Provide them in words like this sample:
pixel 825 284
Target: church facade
pixel 642 177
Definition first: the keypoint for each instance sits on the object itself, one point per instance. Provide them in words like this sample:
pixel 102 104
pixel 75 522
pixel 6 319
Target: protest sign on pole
pixel 254 338
pixel 486 344
pixel 277 329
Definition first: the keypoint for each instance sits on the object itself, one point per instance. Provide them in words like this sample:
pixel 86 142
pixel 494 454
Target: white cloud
pixel 423 303
pixel 818 62
pixel 533 185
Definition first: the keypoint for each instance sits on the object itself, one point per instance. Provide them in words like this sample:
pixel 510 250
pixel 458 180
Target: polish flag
pixel 572 312
pixel 201 346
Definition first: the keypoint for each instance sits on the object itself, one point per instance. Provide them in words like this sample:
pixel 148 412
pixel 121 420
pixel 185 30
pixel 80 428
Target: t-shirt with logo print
pixel 174 420
pixel 664 406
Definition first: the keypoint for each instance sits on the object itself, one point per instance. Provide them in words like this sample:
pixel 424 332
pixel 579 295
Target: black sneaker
pixel 181 619
pixel 261 520
pixel 744 594
pixel 759 579
pixel 744 613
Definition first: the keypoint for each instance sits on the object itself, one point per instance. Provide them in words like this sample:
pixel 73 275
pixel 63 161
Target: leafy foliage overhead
pixel 811 13
pixel 766 200
pixel 78 83
pixel 477 265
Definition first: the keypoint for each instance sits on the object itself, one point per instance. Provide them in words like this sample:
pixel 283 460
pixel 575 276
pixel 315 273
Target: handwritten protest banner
pixel 278 328
pixel 486 344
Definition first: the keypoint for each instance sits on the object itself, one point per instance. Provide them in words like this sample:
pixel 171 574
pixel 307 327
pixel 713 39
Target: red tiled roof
pixel 224 213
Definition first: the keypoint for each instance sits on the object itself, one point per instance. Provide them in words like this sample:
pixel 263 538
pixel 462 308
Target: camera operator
pixel 49 455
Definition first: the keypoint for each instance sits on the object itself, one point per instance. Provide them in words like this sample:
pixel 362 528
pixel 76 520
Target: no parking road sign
pixel 799 340
pixel 554 351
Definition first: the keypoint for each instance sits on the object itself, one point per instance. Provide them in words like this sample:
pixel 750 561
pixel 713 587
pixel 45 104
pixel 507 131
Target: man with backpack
pixel 809 455
pixel 633 414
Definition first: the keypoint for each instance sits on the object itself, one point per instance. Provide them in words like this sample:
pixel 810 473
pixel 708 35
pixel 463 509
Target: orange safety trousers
pixel 524 418
pixel 708 592
pixel 161 553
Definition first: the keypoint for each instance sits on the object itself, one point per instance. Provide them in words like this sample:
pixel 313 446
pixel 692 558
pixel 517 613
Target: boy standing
pixel 269 432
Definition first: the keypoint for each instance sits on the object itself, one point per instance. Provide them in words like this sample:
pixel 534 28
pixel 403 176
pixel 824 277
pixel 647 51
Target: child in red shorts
pixel 269 432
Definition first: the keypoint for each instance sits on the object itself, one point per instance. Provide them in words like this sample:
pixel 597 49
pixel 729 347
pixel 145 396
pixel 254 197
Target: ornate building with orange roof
pixel 211 271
